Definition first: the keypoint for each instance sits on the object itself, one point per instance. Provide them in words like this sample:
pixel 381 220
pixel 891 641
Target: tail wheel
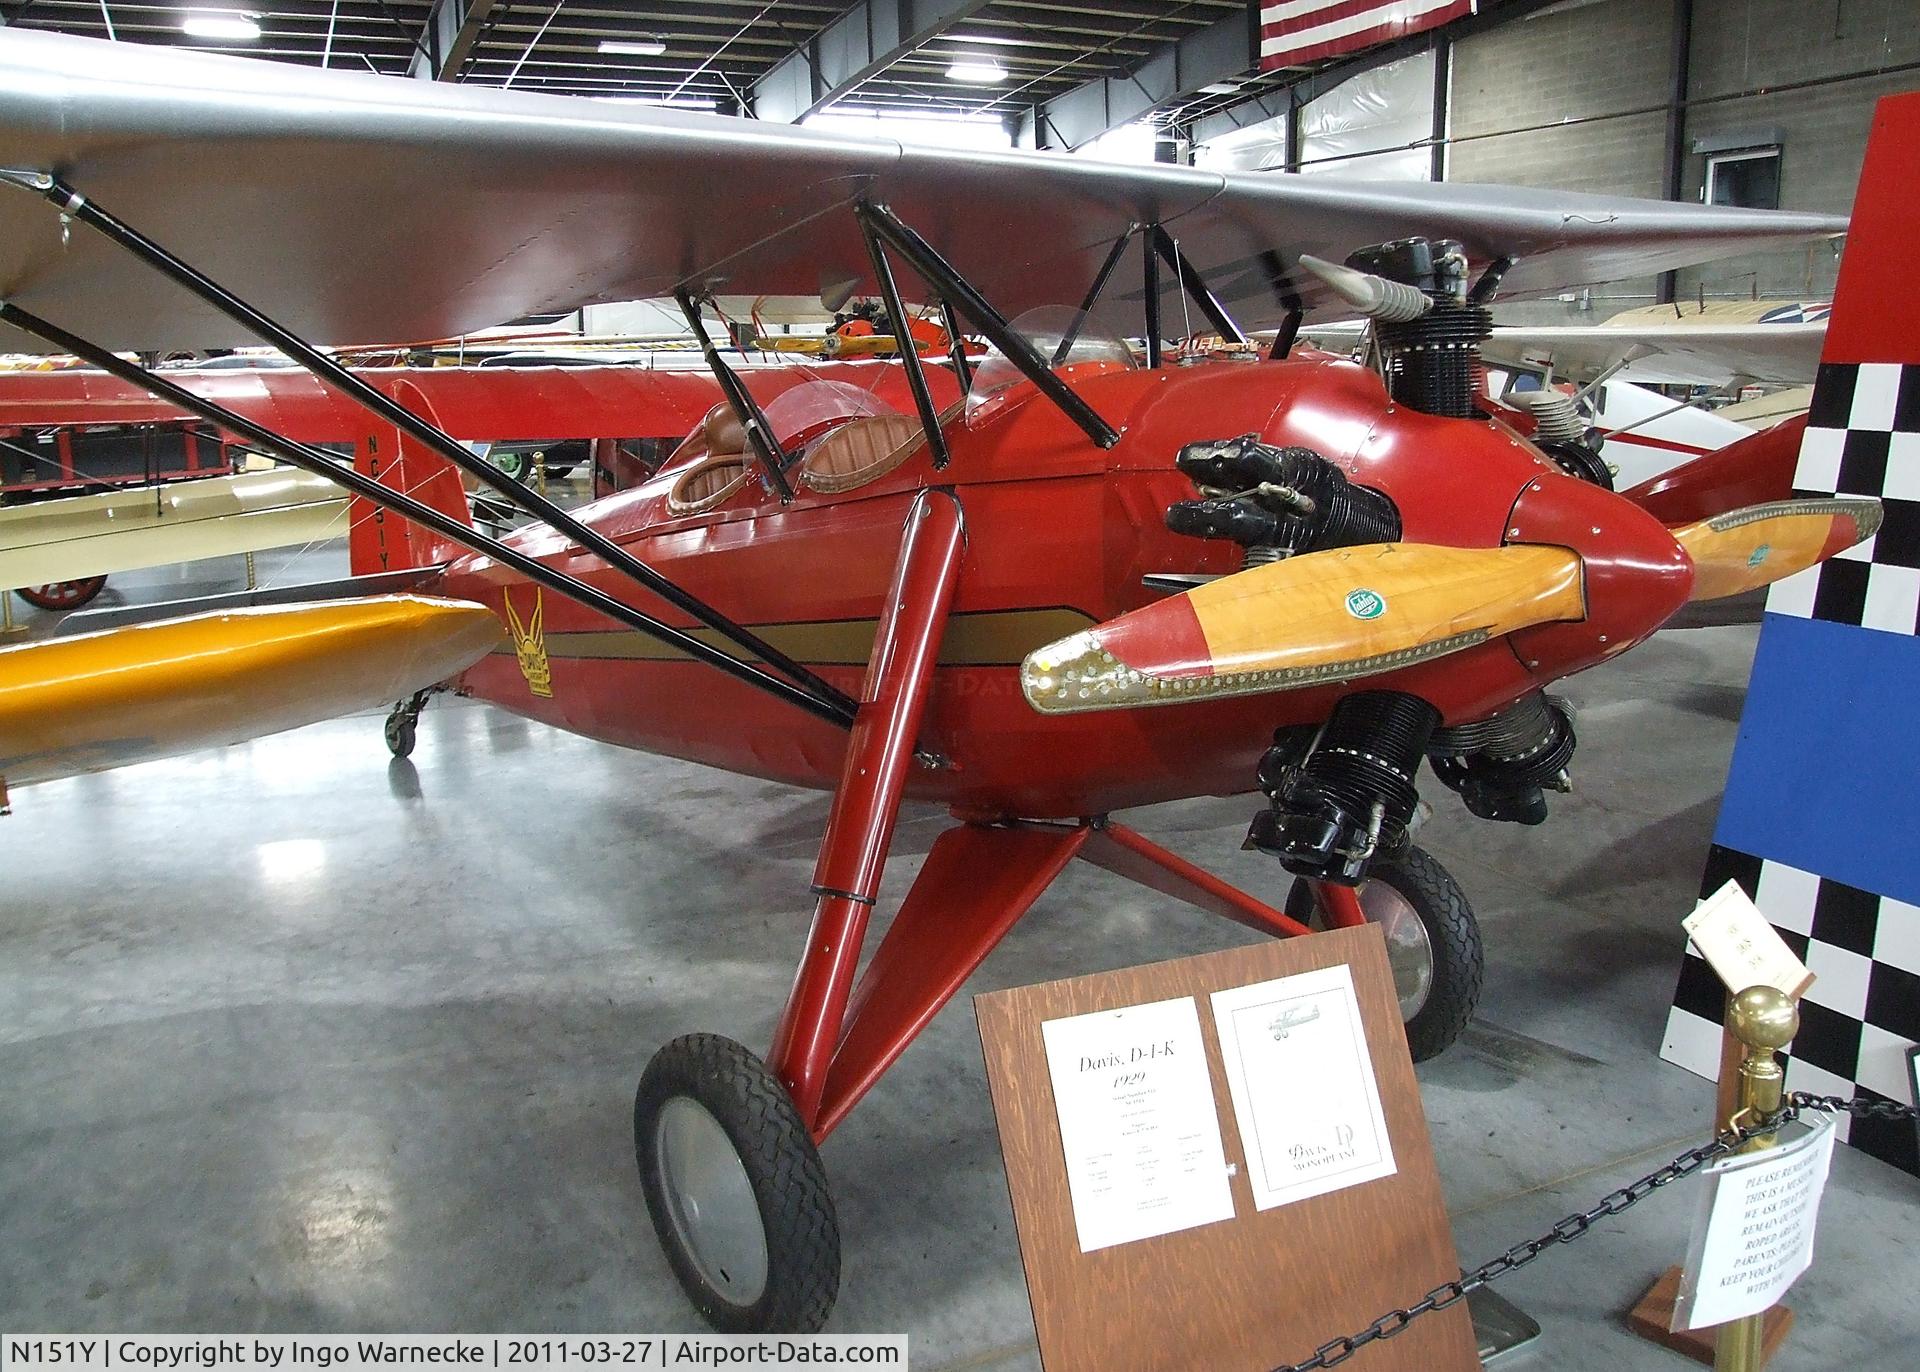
pixel 401 730
pixel 63 595
pixel 1433 944
pixel 736 1190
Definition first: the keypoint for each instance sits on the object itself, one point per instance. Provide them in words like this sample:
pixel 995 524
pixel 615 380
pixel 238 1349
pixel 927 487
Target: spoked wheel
pixel 1433 944
pixel 63 595
pixel 736 1190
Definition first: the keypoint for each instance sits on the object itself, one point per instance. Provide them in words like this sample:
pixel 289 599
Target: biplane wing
pixel 120 531
pixel 84 704
pixel 355 207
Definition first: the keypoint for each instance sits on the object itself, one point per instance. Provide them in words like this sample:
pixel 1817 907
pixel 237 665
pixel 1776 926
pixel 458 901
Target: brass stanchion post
pixel 1764 1020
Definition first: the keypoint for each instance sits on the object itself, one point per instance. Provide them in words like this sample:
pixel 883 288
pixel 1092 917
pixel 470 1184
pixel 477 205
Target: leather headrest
pixel 723 430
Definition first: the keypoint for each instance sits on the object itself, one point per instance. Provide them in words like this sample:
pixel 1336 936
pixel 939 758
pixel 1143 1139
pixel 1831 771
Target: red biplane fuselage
pixel 1059 535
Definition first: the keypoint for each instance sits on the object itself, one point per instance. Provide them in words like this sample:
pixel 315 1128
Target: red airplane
pixel 1039 589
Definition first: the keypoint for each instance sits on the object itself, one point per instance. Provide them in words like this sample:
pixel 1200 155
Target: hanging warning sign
pixel 1753 1235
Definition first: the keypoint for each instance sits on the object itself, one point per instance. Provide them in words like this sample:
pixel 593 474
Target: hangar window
pixel 1749 178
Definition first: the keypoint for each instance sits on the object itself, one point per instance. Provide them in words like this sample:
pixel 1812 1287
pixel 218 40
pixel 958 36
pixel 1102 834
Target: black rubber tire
pixel 1459 961
pixel 560 471
pixel 783 1166
pixel 401 732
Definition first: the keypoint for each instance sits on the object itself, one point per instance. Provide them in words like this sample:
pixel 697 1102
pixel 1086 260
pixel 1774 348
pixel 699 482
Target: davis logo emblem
pixel 1365 604
pixel 530 643
pixel 1759 555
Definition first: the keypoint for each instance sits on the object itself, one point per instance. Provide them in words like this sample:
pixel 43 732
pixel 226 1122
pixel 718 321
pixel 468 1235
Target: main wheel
pixel 1433 944
pixel 401 729
pixel 63 595
pixel 736 1190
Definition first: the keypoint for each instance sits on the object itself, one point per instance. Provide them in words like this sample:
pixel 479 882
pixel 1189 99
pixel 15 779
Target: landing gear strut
pixel 403 722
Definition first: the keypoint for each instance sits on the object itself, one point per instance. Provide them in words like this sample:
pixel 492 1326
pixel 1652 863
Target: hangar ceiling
pixel 1083 65
pixel 713 49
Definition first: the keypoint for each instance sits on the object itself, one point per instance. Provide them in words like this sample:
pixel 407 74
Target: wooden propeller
pixel 1327 616
pixel 1743 550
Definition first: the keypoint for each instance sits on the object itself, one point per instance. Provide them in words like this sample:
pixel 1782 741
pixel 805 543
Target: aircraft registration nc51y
pixel 1076 577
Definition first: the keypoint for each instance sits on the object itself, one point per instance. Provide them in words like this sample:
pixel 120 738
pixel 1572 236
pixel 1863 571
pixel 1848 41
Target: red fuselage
pixel 1059 535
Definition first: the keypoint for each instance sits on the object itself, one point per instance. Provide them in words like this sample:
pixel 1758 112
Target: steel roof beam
pixel 453 26
pixel 860 45
pixel 1224 48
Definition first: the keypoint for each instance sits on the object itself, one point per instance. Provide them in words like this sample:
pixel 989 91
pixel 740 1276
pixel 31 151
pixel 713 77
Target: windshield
pixel 1064 337
pixel 804 412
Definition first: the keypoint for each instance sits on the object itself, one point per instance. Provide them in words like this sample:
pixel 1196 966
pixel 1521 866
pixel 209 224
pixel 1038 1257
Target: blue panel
pixel 1826 773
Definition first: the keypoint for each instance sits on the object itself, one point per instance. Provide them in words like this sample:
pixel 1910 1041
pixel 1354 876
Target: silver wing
pixel 364 209
pixel 1666 354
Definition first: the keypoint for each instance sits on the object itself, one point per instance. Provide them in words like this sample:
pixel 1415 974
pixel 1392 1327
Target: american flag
pixel 1296 31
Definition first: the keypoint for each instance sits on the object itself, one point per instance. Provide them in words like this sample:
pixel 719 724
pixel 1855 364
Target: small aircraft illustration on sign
pixel 1292 1018
pixel 1040 586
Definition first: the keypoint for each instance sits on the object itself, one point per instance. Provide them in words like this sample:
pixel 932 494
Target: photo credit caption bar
pixel 354 1352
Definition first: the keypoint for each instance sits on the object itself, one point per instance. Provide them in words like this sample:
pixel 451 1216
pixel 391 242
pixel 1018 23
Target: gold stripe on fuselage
pixel 985 638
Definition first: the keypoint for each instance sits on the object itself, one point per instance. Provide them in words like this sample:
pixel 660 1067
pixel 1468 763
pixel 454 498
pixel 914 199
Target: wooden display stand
pixel 1265 1287
pixel 1654 1312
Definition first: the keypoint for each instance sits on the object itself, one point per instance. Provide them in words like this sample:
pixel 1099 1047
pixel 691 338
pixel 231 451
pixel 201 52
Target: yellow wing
pixel 118 531
pixel 94 701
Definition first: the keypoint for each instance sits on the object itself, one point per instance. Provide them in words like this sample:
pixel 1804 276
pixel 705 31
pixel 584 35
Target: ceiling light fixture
pixel 633 47
pixel 977 71
pixel 1219 88
pixel 220 24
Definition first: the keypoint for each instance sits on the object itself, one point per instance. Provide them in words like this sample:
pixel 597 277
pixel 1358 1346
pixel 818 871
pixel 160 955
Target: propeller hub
pixel 1636 574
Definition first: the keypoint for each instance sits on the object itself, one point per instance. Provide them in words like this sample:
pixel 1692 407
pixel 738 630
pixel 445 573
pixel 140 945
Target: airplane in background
pixel 1607 371
pixel 1039 587
pixel 626 420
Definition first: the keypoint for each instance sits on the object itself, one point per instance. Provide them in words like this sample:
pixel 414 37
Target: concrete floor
pixel 297 1038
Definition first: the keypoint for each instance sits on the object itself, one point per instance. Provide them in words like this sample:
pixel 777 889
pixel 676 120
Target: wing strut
pixel 1093 294
pixel 938 273
pixel 904 344
pixel 773 458
pixel 1195 285
pixel 72 203
pixel 313 460
pixel 956 347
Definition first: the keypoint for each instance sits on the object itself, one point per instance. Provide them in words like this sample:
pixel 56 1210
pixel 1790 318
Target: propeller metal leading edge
pixel 1327 616
pixel 1354 612
pixel 1746 549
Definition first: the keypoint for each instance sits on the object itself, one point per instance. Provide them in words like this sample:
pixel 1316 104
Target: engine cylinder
pixel 1352 797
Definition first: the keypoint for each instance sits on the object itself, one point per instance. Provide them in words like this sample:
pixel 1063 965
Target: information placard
pixel 1742 947
pixel 1137 1121
pixel 1304 1093
pixel 1753 1234
pixel 1089 1116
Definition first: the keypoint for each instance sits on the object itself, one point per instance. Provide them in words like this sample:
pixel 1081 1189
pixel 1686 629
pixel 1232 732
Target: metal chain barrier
pixel 1337 1351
